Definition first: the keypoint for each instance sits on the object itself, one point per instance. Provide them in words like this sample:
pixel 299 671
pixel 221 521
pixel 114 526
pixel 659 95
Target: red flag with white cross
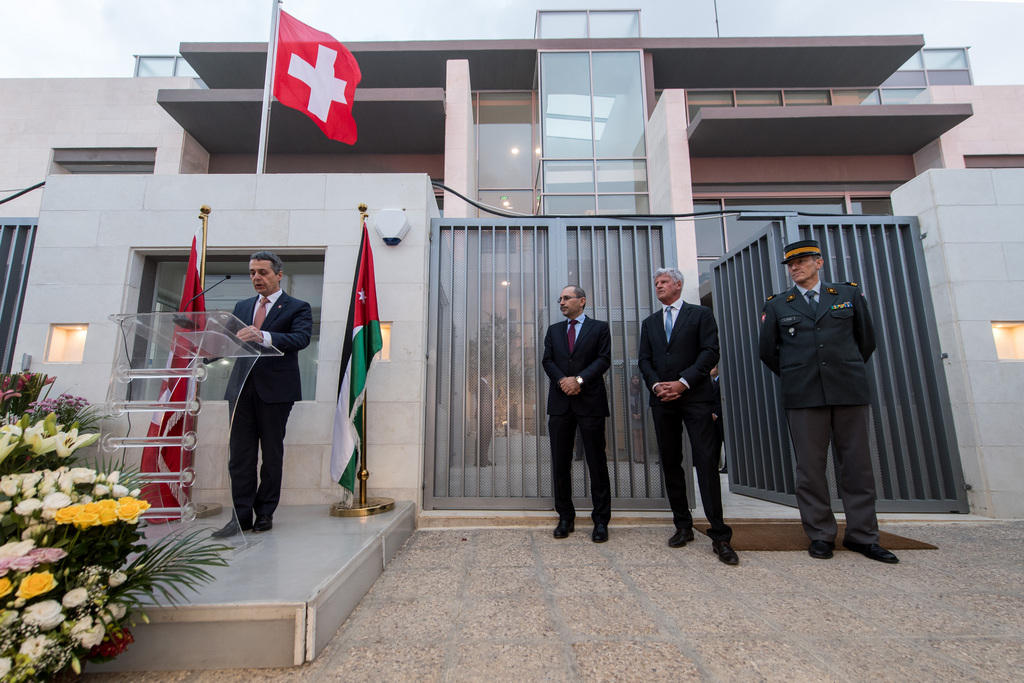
pixel 315 74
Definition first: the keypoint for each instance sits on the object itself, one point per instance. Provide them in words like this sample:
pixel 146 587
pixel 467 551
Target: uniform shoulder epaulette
pixel 852 284
pixel 770 298
pixel 832 290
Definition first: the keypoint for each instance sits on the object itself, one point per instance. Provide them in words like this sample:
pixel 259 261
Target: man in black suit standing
pixel 261 393
pixel 577 353
pixel 678 348
pixel 817 337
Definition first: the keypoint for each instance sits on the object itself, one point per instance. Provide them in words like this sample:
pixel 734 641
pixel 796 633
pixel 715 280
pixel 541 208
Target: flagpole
pixel 204 216
pixel 268 86
pixel 366 506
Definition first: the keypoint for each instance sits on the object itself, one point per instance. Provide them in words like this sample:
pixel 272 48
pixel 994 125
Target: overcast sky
pixel 55 38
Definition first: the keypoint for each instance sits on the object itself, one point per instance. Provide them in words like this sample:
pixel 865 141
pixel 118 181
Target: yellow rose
pixel 108 504
pixel 129 509
pixel 5 586
pixel 107 516
pixel 92 507
pixel 86 518
pixel 35 584
pixel 67 515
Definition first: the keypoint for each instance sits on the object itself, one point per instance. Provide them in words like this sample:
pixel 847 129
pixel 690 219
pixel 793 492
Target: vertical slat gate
pixel 17 237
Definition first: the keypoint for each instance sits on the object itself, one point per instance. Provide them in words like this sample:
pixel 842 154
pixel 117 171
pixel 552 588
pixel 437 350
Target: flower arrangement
pixel 70 410
pixel 19 390
pixel 74 567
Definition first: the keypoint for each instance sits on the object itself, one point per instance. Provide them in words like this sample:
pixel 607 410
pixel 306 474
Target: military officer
pixel 817 337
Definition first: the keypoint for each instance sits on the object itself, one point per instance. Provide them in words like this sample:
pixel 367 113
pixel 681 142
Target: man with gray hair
pixel 678 349
pixel 261 393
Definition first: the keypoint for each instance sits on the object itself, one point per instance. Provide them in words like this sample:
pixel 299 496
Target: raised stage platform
pixel 281 598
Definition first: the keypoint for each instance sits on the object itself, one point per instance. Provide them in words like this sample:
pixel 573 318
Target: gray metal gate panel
pixel 17 237
pixel 917 464
pixel 493 285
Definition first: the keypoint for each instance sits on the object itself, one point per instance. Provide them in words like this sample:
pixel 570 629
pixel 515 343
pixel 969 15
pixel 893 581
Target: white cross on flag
pixel 315 74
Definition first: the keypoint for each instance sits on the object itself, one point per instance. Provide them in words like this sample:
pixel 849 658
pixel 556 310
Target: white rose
pixel 10 486
pixel 5 507
pixel 46 614
pixel 100 490
pixel 118 610
pixel 34 531
pixel 5 667
pixel 28 506
pixel 75 597
pixel 85 499
pixel 113 477
pixel 82 475
pixel 34 647
pixel 118 491
pixel 16 548
pixel 86 634
pixel 116 579
pixel 134 493
pixel 56 501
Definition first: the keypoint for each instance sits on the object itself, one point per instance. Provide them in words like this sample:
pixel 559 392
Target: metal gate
pixel 915 456
pixel 17 236
pixel 493 285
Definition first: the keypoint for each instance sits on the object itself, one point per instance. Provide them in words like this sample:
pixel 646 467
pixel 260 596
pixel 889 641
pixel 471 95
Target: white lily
pixel 35 439
pixel 69 442
pixel 8 442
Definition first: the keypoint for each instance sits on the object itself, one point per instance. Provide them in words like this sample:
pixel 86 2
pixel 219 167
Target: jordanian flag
pixel 362 343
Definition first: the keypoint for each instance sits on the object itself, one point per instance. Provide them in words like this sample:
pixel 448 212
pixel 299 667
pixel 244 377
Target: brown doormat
pixel 762 534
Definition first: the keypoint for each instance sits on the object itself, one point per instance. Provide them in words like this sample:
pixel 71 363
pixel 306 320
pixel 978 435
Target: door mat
pixel 760 534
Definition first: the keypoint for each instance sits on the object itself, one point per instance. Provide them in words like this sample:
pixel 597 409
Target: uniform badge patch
pixel 790 298
pixel 845 304
pixel 831 290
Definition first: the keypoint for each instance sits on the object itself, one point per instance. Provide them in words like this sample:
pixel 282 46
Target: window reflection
pixel 505 139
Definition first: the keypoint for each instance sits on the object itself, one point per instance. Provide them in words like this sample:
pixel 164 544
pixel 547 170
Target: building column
pixel 669 181
pixel 459 140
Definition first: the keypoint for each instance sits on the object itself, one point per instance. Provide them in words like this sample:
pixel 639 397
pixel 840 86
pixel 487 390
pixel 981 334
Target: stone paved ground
pixel 517 605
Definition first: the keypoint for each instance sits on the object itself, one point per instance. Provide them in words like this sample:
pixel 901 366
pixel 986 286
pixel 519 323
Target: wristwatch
pixel 579 380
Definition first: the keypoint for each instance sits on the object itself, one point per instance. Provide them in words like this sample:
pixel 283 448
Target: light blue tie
pixel 668 322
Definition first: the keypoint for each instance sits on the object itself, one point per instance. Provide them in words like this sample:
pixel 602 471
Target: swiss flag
pixel 315 74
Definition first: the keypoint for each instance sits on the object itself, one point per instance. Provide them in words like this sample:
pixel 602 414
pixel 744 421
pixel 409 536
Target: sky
pixel 98 38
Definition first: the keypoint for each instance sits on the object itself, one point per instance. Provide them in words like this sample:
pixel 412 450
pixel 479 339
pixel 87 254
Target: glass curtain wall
pixel 507 153
pixel 592 133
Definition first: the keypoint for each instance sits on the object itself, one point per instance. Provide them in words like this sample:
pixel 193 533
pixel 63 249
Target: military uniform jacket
pixel 819 356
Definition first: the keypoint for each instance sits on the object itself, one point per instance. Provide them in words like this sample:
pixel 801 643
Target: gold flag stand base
pixel 373 506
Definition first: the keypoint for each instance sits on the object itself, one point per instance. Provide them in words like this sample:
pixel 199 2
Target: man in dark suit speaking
pixel 577 353
pixel 678 348
pixel 261 393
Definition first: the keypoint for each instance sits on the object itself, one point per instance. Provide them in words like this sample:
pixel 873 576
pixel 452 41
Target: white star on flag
pixel 362 296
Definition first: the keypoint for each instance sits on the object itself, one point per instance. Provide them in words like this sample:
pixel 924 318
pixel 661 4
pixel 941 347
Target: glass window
pixel 519 201
pixel 303 278
pixel 148 67
pixel 914 62
pixel 562 25
pixel 714 98
pixel 621 176
pixel 565 104
pixel 758 98
pixel 945 59
pixel 871 207
pixel 953 77
pixel 618 104
pixel 615 24
pixel 739 232
pixel 565 204
pixel 708 230
pixel 855 96
pixel 807 97
pixel 182 68
pixel 569 176
pixel 616 204
pixel 505 139
pixel 904 96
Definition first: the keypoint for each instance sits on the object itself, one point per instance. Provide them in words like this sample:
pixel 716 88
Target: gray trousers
pixel 848 428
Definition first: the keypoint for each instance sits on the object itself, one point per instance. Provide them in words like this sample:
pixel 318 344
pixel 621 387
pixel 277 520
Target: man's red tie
pixel 572 334
pixel 261 313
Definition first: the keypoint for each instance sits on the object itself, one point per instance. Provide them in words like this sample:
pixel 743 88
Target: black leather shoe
pixel 564 528
pixel 600 534
pixel 821 550
pixel 263 523
pixel 680 538
pixel 228 530
pixel 725 552
pixel 872 551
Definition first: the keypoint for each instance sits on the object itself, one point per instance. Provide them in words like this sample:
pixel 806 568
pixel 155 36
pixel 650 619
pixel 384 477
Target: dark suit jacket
pixel 275 378
pixel 819 356
pixel 690 355
pixel 590 358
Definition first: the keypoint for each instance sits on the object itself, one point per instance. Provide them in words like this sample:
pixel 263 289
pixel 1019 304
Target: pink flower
pixel 23 563
pixel 47 555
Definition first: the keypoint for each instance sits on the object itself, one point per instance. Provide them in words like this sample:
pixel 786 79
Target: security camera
pixel 391 225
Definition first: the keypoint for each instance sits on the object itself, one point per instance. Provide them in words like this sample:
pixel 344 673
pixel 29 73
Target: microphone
pixel 226 277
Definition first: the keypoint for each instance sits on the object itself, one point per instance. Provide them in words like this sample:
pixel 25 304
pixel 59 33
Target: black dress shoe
pixel 872 551
pixel 263 523
pixel 821 550
pixel 680 538
pixel 725 552
pixel 600 534
pixel 564 528
pixel 228 530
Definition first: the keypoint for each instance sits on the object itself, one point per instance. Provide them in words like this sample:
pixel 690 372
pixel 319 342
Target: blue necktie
pixel 812 300
pixel 668 322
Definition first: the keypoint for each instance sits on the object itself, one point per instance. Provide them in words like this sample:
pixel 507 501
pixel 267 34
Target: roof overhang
pixel 390 121
pixel 836 61
pixel 820 130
